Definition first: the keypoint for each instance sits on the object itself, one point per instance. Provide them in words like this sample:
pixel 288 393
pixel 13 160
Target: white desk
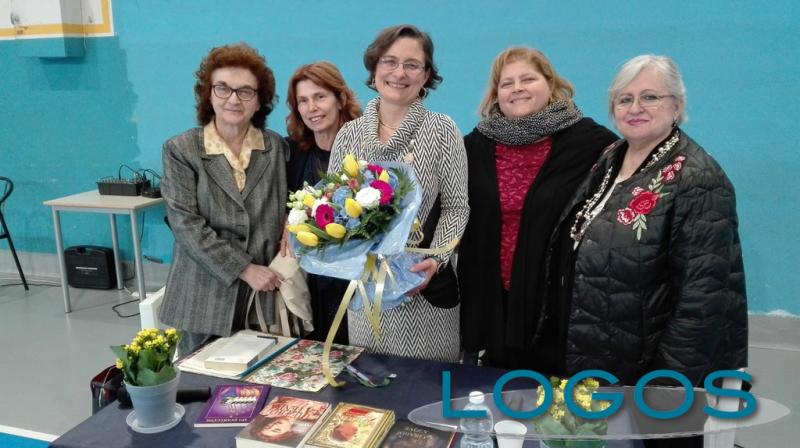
pixel 94 202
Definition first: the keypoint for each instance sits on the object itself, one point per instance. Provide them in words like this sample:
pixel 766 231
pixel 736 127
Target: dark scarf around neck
pixel 557 116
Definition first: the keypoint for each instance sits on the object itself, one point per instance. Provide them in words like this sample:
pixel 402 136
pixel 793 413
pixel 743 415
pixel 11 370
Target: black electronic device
pixel 121 186
pixel 90 267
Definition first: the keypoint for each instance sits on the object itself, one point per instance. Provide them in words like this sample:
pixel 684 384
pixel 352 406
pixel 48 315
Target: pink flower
pixel 353 183
pixel 644 202
pixel 637 190
pixel 385 189
pixel 324 215
pixel 680 158
pixel 376 169
pixel 677 166
pixel 667 169
pixel 669 176
pixel 625 216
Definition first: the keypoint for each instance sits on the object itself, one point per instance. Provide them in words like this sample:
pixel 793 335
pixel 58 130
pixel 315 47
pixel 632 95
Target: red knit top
pixel 517 167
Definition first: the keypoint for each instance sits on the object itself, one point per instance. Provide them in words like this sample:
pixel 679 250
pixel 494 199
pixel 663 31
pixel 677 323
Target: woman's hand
pixel 261 278
pixel 429 266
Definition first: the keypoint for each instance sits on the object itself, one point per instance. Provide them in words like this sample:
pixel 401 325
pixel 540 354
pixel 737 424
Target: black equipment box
pixel 90 267
pixel 122 187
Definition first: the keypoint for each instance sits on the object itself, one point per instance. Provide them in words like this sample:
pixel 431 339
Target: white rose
pixel 368 197
pixel 362 164
pixel 297 216
pixel 317 203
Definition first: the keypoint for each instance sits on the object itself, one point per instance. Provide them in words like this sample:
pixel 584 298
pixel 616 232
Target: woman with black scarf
pixel 526 158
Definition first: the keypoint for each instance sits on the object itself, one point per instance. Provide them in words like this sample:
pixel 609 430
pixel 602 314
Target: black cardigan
pixel 483 321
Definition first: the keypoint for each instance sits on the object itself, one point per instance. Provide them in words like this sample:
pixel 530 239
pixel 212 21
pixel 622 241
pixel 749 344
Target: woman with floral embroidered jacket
pixel 646 268
pixel 397 127
pixel 527 157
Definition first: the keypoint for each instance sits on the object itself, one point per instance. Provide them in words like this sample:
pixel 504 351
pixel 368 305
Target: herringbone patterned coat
pixel 416 329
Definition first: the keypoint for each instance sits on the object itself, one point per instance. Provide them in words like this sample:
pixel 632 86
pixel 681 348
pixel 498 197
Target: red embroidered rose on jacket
pixel 644 201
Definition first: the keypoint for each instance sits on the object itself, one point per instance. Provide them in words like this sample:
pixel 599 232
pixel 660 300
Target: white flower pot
pixel 154 405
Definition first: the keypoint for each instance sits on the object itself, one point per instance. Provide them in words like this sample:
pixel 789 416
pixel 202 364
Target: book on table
pixel 196 361
pixel 352 426
pixel 232 405
pixel 298 368
pixel 405 434
pixel 240 352
pixel 285 422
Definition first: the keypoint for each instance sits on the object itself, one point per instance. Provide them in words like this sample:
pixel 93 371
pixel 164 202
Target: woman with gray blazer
pixel 224 185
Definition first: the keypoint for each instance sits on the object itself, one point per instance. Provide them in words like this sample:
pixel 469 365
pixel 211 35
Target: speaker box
pixel 90 267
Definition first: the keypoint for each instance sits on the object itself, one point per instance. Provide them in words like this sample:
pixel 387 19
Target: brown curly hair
pixel 327 76
pixel 235 55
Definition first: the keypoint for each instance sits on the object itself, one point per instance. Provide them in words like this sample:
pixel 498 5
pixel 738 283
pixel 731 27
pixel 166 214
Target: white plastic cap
pixel 476 397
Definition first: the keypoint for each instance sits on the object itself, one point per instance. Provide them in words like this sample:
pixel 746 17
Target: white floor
pixel 49 358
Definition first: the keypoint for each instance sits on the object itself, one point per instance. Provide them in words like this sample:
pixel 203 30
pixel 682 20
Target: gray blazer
pixel 217 229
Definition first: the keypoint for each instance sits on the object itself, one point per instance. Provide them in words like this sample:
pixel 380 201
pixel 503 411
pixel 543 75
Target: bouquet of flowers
pixel 354 224
pixel 560 421
pixel 147 360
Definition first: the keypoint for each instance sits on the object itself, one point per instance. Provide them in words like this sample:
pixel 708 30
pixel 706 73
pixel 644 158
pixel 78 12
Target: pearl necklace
pixel 587 213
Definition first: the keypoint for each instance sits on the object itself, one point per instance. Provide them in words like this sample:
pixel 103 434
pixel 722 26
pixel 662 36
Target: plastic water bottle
pixel 476 431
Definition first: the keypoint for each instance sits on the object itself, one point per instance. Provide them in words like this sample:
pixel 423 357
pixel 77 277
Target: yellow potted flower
pixel 151 379
pixel 558 420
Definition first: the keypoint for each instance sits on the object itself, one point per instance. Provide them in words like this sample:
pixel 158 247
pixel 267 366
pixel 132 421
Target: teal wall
pixel 66 122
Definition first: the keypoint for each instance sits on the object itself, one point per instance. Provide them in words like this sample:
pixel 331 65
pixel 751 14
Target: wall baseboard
pixel 44 266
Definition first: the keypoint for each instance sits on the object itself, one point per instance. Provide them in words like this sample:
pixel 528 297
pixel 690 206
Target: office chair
pixel 6 187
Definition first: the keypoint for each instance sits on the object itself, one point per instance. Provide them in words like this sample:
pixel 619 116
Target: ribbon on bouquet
pixel 376 268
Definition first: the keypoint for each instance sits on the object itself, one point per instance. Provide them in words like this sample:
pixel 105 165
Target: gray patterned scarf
pixel 557 116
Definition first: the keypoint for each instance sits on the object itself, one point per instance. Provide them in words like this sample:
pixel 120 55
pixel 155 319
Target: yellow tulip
pixel 307 239
pixel 384 176
pixel 352 207
pixel 350 165
pixel 335 230
pixel 308 200
pixel 297 228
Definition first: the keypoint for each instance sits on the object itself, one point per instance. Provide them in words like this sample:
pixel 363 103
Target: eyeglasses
pixel 225 92
pixel 390 64
pixel 646 100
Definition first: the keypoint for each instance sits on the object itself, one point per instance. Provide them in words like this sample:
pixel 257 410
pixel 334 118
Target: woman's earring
pixel 423 92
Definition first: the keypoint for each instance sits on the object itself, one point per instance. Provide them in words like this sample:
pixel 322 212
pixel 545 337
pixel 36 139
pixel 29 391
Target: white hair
pixel 664 66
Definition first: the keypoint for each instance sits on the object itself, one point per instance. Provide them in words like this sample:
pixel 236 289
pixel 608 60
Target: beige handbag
pixel 292 300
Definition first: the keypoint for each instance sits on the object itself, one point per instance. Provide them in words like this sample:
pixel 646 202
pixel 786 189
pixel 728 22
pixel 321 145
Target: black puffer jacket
pixel 671 297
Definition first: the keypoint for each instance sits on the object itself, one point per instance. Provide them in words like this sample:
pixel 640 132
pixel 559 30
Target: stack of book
pixel 352 426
